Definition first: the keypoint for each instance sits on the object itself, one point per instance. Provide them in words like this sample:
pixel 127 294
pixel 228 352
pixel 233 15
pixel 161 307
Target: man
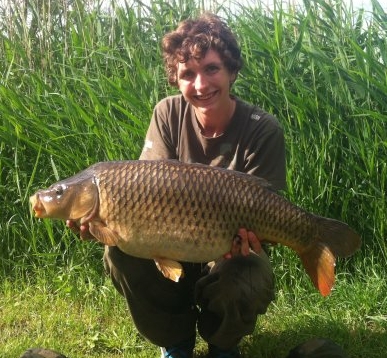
pixel 205 124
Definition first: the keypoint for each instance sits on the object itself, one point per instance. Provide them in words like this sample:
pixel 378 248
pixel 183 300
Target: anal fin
pixel 170 269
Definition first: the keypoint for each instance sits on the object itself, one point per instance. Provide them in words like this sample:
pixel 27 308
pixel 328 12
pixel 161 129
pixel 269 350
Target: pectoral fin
pixel 103 234
pixel 170 269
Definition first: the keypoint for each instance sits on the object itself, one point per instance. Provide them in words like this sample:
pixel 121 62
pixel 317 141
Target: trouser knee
pixel 162 310
pixel 232 296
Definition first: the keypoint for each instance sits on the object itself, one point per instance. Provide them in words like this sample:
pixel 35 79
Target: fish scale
pixel 167 194
pixel 171 211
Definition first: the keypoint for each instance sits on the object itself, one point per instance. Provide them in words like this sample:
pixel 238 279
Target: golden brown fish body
pixel 171 211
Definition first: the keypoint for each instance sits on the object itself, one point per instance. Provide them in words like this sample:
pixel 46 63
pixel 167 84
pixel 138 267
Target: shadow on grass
pixel 357 343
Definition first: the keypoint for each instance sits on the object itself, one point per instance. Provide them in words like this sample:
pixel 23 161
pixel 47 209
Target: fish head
pixel 69 199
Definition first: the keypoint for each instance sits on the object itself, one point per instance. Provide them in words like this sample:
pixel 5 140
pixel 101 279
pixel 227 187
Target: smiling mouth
pixel 205 97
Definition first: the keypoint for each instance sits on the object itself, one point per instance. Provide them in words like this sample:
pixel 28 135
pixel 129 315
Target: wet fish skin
pixel 171 211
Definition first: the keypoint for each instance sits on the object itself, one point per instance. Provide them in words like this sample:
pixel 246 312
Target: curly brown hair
pixel 194 37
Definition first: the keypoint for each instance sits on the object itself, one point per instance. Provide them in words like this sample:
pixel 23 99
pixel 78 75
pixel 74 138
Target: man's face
pixel 205 83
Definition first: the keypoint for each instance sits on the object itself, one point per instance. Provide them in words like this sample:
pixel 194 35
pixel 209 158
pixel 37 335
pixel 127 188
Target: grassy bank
pixel 86 318
pixel 78 84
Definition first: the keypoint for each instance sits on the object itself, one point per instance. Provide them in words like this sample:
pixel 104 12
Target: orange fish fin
pixel 170 269
pixel 319 263
pixel 102 233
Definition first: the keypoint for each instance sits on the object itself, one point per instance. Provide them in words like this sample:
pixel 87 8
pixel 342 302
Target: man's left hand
pixel 243 243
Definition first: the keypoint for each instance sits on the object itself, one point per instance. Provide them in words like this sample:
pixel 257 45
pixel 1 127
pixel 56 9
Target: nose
pixel 200 82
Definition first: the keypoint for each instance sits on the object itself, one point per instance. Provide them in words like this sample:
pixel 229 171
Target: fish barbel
pixel 171 211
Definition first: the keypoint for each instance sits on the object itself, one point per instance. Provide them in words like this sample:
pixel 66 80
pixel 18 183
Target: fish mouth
pixel 37 206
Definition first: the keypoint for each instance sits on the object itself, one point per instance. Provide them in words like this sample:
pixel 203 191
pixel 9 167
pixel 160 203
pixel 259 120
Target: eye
pixel 59 190
pixel 212 69
pixel 186 75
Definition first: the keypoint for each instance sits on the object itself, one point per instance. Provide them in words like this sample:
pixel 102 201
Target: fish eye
pixel 59 190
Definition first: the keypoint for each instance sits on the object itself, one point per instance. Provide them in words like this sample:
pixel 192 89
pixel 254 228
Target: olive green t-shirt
pixel 253 142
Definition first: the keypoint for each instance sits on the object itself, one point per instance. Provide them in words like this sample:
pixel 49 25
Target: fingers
pixel 254 242
pixel 243 243
pixel 235 247
pixel 84 233
pixel 248 241
pixel 82 230
pixel 72 225
pixel 228 255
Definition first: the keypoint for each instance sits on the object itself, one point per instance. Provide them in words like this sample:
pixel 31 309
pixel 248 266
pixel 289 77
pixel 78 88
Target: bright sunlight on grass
pixel 78 84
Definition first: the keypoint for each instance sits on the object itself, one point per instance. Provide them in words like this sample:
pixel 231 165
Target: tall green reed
pixel 321 71
pixel 79 83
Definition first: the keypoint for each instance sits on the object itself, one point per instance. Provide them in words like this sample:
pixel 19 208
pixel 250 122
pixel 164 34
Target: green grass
pixel 89 319
pixel 78 85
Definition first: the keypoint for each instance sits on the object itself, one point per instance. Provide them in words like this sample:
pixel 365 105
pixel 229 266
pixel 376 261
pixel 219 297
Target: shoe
pixel 181 350
pixel 216 352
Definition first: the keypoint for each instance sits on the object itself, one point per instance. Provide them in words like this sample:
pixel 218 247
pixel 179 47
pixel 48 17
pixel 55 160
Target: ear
pixel 233 77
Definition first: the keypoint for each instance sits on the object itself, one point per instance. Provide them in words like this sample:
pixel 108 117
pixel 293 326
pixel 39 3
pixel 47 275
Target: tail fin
pixel 342 240
pixel 334 239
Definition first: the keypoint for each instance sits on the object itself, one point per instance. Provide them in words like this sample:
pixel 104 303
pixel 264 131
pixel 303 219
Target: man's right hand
pixel 82 230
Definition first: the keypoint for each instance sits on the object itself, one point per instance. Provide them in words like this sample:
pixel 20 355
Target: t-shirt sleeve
pixel 159 140
pixel 266 157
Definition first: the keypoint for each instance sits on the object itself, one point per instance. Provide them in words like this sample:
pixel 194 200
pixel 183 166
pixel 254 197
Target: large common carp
pixel 171 211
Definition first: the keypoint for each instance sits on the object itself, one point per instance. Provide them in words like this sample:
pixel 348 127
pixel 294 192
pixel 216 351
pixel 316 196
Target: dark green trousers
pixel 222 303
